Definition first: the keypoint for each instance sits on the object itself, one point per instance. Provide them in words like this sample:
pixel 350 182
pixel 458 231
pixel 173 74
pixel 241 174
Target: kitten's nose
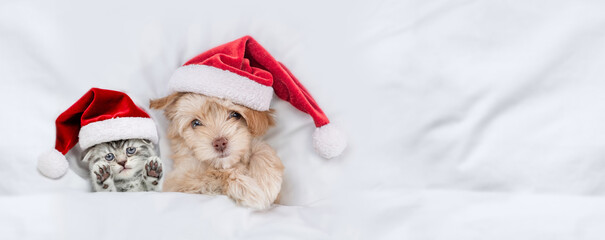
pixel 219 144
pixel 122 163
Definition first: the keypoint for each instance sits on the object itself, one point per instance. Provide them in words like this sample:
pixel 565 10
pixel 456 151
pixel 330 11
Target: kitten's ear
pixel 258 122
pixel 148 142
pixel 87 154
pixel 162 103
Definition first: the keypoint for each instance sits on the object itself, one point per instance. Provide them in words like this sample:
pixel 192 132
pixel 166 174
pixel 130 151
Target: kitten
pixel 124 166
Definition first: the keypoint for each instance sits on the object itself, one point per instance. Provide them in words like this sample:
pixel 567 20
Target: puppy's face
pixel 213 129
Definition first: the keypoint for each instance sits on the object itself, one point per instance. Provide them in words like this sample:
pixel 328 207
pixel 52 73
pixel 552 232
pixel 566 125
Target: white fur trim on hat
pixel 212 81
pixel 52 164
pixel 329 141
pixel 117 129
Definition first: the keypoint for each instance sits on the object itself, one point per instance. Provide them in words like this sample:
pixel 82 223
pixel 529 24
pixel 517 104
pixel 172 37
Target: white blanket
pixel 465 119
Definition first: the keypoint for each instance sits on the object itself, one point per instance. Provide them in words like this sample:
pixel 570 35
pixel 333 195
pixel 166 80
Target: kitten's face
pixel 125 157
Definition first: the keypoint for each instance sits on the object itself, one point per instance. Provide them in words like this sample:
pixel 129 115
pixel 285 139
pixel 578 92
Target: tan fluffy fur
pixel 251 174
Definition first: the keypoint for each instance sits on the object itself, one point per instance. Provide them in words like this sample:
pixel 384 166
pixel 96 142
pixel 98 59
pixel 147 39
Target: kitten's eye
pixel 131 150
pixel 196 123
pixel 109 157
pixel 235 115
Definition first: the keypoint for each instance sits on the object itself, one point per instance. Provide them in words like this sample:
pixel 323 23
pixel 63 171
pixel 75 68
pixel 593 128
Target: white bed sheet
pixel 466 119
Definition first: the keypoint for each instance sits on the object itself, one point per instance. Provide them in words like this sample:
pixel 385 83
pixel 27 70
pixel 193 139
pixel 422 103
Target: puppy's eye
pixel 235 115
pixel 109 157
pixel 196 123
pixel 131 150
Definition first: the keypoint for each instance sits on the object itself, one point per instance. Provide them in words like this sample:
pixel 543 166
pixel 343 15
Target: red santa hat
pixel 97 117
pixel 244 72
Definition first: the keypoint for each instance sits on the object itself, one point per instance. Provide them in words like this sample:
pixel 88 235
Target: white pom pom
pixel 52 164
pixel 329 141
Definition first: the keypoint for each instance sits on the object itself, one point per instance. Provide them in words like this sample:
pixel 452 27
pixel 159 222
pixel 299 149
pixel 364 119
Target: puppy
pixel 217 149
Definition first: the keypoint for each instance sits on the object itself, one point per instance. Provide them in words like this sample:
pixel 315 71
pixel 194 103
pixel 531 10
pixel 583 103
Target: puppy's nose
pixel 219 144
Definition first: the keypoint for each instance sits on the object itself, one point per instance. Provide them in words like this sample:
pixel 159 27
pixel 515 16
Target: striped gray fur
pixel 141 171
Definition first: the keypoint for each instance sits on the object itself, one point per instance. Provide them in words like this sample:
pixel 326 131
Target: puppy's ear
pixel 162 103
pixel 258 122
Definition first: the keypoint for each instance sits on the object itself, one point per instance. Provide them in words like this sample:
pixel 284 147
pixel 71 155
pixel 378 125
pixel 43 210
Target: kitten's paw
pixel 103 172
pixel 153 169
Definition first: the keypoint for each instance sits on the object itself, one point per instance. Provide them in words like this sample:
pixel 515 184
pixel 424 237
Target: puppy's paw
pixel 102 172
pixel 247 193
pixel 213 182
pixel 252 202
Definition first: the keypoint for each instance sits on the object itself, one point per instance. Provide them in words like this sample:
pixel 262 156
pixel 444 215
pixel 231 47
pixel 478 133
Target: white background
pixel 465 119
